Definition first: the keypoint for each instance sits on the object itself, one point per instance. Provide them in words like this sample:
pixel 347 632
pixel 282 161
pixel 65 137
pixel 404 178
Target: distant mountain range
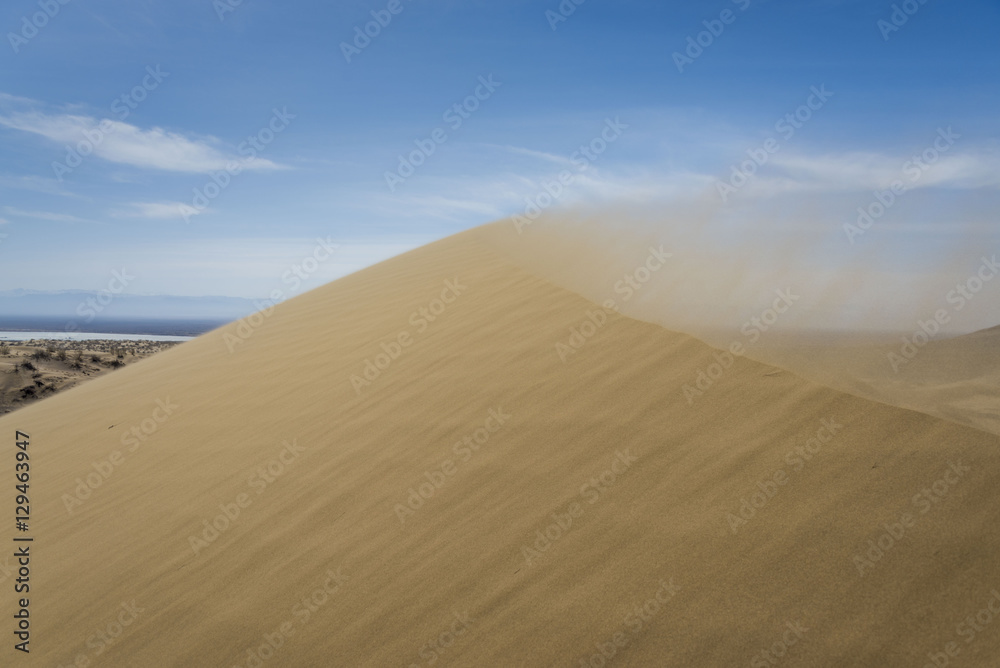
pixel 93 311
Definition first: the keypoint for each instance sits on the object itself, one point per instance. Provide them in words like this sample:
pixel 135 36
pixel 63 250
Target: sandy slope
pixel 606 438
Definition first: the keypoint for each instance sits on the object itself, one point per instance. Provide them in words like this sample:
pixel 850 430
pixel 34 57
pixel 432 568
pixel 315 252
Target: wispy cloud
pixel 870 171
pixel 472 198
pixel 122 143
pixel 157 210
pixel 541 155
pixel 7 98
pixel 435 206
pixel 46 216
pixel 35 184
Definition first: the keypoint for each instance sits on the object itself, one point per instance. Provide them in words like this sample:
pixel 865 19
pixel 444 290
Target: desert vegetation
pixel 32 370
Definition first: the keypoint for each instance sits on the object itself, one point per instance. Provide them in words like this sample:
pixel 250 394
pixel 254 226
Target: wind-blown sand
pixel 653 486
pixel 957 379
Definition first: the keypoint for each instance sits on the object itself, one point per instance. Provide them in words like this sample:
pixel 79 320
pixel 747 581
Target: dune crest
pixel 768 302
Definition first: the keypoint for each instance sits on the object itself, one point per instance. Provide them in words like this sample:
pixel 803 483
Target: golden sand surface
pixel 438 461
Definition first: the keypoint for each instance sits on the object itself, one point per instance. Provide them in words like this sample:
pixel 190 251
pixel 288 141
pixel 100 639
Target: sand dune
pixel 520 479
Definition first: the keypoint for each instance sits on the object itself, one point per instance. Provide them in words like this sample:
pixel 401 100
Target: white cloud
pixel 34 184
pixel 45 215
pixel 501 195
pixel 541 155
pixel 158 210
pixel 127 144
pixel 444 207
pixel 7 97
pixel 871 171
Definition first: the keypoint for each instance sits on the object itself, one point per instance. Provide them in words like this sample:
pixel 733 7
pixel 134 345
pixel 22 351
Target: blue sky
pixel 223 76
